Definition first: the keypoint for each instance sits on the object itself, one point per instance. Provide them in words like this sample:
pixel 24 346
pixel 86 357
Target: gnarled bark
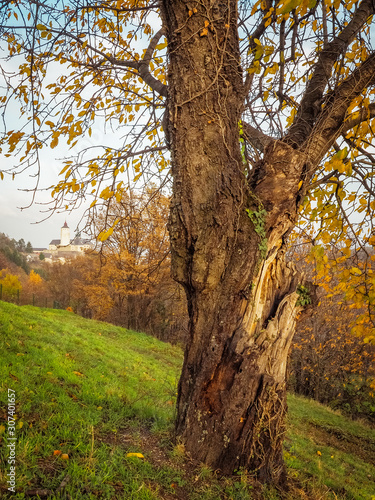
pixel 231 403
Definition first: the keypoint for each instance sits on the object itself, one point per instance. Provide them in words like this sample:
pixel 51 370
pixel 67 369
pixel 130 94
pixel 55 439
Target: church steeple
pixel 65 235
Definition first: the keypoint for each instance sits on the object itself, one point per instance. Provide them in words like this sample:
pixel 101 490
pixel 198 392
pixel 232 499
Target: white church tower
pixel 65 235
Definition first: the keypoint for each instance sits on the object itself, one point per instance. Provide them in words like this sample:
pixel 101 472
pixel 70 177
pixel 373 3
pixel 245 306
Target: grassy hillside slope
pixel 89 393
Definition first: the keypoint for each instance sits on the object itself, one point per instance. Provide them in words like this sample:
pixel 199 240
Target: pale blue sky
pixel 24 224
pixel 27 223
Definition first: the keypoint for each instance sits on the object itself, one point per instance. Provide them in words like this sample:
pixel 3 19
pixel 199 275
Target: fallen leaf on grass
pixel 138 455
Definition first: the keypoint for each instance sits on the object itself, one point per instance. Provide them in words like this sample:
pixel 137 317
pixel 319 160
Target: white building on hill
pixel 65 247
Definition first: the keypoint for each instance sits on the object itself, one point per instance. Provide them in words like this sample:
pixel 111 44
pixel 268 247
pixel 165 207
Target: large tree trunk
pixel 227 238
pixel 231 403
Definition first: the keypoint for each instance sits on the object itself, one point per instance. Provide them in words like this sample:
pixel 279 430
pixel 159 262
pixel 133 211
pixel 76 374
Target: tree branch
pixel 109 5
pixel 348 221
pixel 363 115
pixel 255 137
pixel 363 180
pixel 313 97
pixel 257 33
pixel 324 180
pixel 143 67
pixel 331 120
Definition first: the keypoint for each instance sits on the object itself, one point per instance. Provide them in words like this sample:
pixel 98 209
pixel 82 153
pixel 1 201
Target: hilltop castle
pixel 64 248
pixel 67 246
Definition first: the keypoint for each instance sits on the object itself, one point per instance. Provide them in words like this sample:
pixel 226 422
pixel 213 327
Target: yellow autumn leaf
pixel 161 46
pixel 342 154
pixel 137 455
pixel 288 5
pixel 104 235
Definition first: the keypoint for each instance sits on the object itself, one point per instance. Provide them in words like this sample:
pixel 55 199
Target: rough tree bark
pixel 228 230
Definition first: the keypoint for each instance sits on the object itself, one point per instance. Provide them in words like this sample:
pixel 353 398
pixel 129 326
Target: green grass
pixel 325 449
pixel 97 392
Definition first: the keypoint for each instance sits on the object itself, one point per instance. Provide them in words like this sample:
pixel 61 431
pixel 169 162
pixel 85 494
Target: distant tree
pixel 21 245
pixel 329 363
pixel 29 248
pixel 133 275
pixel 35 279
pixel 4 262
pixel 61 278
pixel 35 289
pixel 92 289
pixel 9 248
pixel 11 285
pixel 43 272
pixel 42 256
